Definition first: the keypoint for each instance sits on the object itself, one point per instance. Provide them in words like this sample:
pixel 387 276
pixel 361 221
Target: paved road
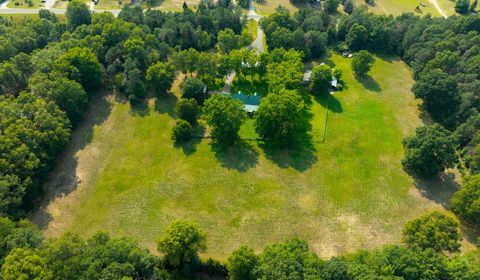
pixel 258 42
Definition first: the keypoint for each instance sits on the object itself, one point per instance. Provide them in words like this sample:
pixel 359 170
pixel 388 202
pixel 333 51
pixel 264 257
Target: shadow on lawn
pixel 333 104
pixel 240 156
pixel 64 178
pixel 301 155
pixel 439 189
pixel 166 104
pixel 190 146
pixel 369 83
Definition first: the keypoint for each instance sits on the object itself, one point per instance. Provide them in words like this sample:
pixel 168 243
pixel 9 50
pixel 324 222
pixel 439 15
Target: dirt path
pixel 439 9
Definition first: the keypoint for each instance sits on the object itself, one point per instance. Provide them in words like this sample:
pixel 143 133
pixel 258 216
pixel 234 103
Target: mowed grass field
pixel 124 175
pixel 268 7
pixel 408 6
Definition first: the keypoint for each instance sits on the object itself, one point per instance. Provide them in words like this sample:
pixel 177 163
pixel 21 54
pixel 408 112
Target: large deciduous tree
pixel 77 14
pixel 181 242
pixel 362 62
pixel 194 88
pixel 429 152
pixel 466 202
pixel 440 96
pixel 434 231
pixel 225 115
pixel 160 77
pixel 281 118
pixel 322 76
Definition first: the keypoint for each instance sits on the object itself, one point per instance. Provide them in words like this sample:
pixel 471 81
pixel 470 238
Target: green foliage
pixel 284 70
pixel 180 243
pixel 242 263
pixel 429 152
pixel 182 131
pixel 25 264
pixel 357 37
pixel 462 6
pixel 160 77
pixel 227 40
pixel 440 96
pixel 77 14
pixel 32 133
pixel 188 110
pixel 225 115
pixel 81 65
pixel 290 260
pixel 280 118
pixel 67 94
pixel 194 88
pixel 362 62
pixel 434 231
pixel 322 76
pixel 466 202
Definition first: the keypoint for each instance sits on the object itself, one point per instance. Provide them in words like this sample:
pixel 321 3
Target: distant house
pixel 250 102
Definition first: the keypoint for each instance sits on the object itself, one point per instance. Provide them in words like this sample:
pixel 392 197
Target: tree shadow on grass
pixel 240 156
pixel 140 107
pixel 190 147
pixel 331 101
pixel 300 156
pixel 166 104
pixel 64 178
pixel 369 83
pixel 439 189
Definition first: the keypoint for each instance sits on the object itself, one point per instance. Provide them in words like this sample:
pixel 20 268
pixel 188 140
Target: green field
pixel 268 7
pixel 408 6
pixel 346 193
pixel 25 4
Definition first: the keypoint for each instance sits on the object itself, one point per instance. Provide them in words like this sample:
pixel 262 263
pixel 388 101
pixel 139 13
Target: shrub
pixel 182 131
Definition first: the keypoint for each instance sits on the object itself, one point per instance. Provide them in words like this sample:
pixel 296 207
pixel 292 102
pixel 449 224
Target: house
pixel 250 102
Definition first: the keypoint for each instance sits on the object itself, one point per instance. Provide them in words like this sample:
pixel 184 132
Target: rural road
pixel 258 42
pixel 439 9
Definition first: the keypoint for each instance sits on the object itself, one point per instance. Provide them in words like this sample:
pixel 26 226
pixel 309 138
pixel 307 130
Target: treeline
pixel 428 252
pixel 50 69
pixel 445 59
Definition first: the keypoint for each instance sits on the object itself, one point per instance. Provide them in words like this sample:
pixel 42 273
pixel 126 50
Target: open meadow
pixel 123 174
pixel 408 6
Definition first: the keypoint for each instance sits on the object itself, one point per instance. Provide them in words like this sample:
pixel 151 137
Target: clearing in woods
pixel 123 174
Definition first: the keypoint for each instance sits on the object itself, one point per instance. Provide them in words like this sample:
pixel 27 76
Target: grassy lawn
pixel 25 4
pixel 346 193
pixel 171 5
pixel 112 4
pixel 408 6
pixel 268 6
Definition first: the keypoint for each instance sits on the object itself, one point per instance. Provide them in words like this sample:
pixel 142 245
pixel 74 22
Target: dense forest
pixel 50 70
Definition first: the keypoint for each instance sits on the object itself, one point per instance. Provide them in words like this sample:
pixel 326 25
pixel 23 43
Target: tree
pixel 336 269
pixel 322 76
pixel 357 37
pixel 225 115
pixel 188 110
pixel 466 202
pixel 194 88
pixel 362 62
pixel 439 93
pixel 81 65
pixel 288 261
pixel 429 152
pixel 348 6
pixel 462 6
pixel 67 94
pixel 160 77
pixel 180 243
pixel 280 118
pixel 241 264
pixel 227 40
pixel 25 264
pixel 331 6
pixel 182 131
pixel 433 231
pixel 77 14
pixel 473 6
